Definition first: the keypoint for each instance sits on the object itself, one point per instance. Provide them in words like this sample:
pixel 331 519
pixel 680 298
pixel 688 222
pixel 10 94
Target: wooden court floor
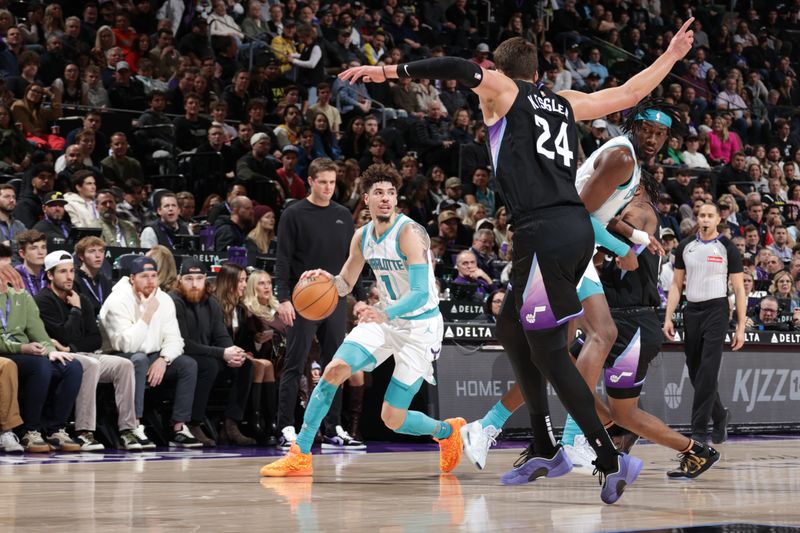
pixel 757 481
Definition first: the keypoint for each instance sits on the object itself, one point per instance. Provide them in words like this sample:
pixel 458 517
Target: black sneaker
pixel 342 441
pixel 183 438
pixel 719 431
pixel 692 465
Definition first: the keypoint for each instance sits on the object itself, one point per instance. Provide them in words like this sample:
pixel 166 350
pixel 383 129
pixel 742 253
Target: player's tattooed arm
pixel 422 235
pixel 347 278
pixel 414 243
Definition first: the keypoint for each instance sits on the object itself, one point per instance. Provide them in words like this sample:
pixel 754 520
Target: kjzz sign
pixel 759 387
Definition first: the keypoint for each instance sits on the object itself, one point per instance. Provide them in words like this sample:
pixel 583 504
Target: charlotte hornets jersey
pixel 622 194
pixel 534 151
pixel 388 263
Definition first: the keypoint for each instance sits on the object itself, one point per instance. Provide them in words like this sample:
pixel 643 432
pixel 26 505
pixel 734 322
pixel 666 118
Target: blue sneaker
pixel 529 467
pixel 614 483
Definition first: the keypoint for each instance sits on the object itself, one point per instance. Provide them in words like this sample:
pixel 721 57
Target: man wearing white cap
pixel 596 138
pixel 69 319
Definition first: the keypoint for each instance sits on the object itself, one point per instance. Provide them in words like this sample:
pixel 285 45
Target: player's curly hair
pixel 631 124
pixel 377 173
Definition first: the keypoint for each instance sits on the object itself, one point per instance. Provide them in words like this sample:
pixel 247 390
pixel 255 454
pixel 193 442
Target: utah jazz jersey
pixel 534 150
pixel 388 263
pixel 622 194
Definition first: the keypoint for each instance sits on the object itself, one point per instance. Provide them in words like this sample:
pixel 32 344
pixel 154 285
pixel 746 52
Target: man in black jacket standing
pixel 69 319
pixel 313 233
pixel 233 231
pixel 207 341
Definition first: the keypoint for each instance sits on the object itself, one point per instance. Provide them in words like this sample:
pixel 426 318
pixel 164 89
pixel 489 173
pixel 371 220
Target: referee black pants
pixel 330 334
pixel 705 325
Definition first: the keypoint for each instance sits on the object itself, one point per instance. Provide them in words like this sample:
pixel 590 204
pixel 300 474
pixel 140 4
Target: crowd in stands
pixel 168 126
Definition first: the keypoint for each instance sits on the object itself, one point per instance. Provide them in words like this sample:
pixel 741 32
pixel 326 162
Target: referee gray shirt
pixel 707 265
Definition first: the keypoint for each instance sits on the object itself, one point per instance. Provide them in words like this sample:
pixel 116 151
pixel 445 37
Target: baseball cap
pixel 452 182
pixel 574 48
pixel 665 198
pixel 484 222
pixel 258 137
pixel 483 47
pixel 191 265
pixel 444 216
pixel 593 76
pixel 54 198
pixel 667 232
pixel 59 257
pixel 599 123
pixel 290 148
pixel 143 264
pixel 123 65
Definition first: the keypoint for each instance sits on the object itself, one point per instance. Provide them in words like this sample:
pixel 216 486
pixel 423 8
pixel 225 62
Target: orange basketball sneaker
pixel 450 448
pixel 293 464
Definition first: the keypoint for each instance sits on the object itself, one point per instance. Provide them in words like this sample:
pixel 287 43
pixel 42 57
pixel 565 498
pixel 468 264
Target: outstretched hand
pixel 682 42
pixel 366 73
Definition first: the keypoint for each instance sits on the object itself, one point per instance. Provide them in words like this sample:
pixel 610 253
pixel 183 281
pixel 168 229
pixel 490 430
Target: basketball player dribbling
pixel 406 324
pixel 533 143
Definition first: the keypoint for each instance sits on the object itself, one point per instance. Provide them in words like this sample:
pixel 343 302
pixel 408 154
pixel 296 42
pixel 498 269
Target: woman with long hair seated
pixel 263 235
pixel 265 328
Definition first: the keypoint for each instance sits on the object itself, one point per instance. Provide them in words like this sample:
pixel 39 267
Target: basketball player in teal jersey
pixel 606 182
pixel 406 324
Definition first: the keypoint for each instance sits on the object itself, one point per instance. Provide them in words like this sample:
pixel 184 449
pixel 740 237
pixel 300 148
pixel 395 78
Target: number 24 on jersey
pixel 561 143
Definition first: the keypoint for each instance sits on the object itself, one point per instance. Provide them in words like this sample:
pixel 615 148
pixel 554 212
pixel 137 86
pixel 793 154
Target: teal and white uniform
pixel 590 282
pixel 414 336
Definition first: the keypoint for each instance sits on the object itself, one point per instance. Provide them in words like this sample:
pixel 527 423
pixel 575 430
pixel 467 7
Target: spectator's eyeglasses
pixel 769 310
pixel 497 301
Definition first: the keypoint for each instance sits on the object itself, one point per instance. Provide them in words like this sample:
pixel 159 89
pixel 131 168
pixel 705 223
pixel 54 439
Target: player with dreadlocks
pixel 607 181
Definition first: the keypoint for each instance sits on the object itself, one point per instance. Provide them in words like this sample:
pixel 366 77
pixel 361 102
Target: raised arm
pixel 496 90
pixel 601 103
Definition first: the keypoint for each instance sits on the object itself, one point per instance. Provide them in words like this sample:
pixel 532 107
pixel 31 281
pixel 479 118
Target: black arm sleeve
pixel 466 72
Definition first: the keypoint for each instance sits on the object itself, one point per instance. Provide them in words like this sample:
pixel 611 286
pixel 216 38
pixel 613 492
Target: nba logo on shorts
pixel 531 317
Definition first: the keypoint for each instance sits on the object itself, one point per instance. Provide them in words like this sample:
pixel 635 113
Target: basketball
pixel 315 298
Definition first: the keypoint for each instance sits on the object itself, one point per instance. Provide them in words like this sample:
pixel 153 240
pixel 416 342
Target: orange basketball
pixel 315 298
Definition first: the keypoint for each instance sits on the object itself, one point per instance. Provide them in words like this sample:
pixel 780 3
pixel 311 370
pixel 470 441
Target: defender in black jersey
pixel 633 298
pixel 533 143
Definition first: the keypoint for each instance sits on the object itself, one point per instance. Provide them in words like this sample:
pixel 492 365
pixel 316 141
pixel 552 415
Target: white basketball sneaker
pixel 581 454
pixel 477 441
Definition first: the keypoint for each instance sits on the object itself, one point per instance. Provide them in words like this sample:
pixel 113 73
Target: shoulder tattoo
pixel 420 233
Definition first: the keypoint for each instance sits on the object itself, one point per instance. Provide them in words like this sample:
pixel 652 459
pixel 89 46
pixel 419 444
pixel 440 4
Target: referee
pixel 706 261
pixel 313 233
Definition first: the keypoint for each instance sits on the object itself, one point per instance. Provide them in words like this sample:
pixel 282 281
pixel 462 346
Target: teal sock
pixel 417 423
pixel 571 430
pixel 318 407
pixel 496 416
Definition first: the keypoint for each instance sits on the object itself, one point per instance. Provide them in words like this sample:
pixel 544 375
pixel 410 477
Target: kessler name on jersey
pixel 548 104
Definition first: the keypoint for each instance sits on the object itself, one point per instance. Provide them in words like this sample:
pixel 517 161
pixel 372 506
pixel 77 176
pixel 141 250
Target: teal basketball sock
pixel 571 430
pixel 496 416
pixel 417 423
pixel 318 407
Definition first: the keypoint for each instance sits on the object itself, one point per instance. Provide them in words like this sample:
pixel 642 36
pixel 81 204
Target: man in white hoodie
pixel 138 320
